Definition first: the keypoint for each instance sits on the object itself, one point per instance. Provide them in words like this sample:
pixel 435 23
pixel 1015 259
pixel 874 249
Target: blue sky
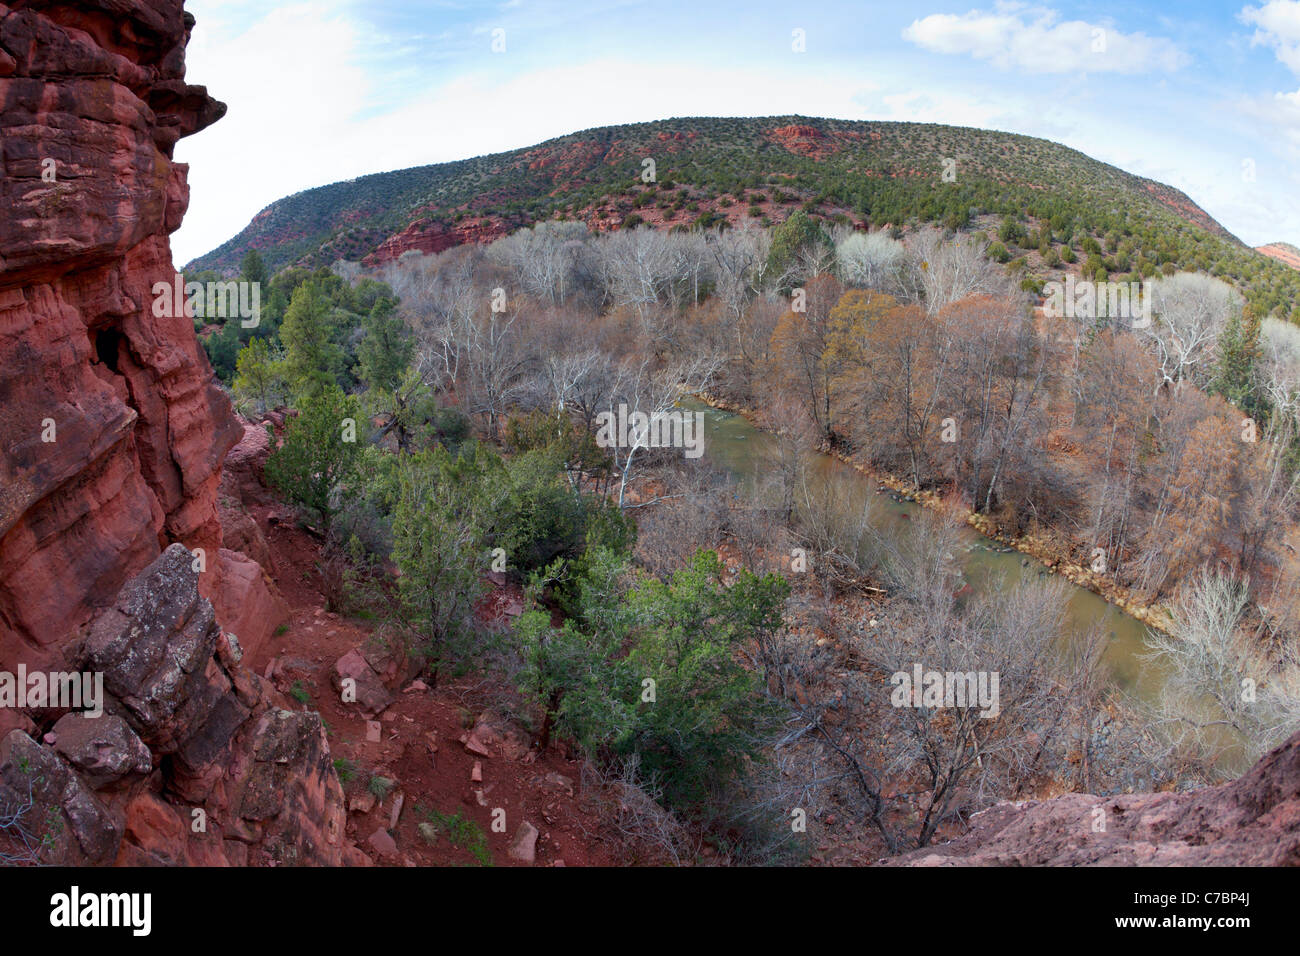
pixel 1202 95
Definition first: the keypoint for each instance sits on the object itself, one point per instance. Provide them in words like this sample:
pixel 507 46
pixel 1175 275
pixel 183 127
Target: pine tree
pixel 320 449
pixel 259 374
pixel 791 237
pixel 252 267
pixel 387 349
pixel 313 358
pixel 1239 356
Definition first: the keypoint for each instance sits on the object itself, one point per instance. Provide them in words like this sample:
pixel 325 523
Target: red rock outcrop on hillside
pixel 1283 252
pixel 1183 206
pixel 429 236
pixel 804 140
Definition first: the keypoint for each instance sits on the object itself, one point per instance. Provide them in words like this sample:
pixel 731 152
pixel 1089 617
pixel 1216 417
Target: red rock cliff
pixel 113 432
pixel 112 429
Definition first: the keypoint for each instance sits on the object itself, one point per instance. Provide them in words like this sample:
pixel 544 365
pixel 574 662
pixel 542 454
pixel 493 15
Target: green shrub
pixel 680 699
pixel 321 446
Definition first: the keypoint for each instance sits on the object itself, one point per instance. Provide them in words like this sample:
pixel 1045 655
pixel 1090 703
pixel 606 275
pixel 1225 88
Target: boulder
pixel 153 647
pixel 358 684
pixel 261 773
pixel 242 477
pixel 554 783
pixel 524 846
pixel 248 603
pixel 103 749
pixel 66 823
pixel 383 843
pixel 483 740
pixel 240 532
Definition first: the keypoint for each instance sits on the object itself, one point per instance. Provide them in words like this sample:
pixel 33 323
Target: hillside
pixel 709 170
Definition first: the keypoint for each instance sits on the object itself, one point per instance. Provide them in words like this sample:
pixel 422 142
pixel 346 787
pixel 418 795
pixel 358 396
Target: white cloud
pixel 1277 26
pixel 294 90
pixel 1282 112
pixel 1034 40
pixel 945 106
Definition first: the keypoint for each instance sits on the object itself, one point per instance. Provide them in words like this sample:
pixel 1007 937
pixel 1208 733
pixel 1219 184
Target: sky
pixel 1201 94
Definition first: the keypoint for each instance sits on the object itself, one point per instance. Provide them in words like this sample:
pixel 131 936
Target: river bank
pixel 1051 554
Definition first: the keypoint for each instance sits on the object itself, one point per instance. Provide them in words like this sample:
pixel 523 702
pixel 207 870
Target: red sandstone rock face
pixel 256 773
pixel 112 429
pixel 804 140
pixel 112 436
pixel 1253 821
pixel 248 604
pixel 428 236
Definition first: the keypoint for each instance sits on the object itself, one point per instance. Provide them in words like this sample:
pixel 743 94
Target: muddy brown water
pixel 735 445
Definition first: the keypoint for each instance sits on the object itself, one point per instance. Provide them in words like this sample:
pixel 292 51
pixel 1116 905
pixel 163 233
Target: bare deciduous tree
pixel 870 260
pixel 653 392
pixel 939 273
pixel 1190 311
pixel 542 258
pixel 1220 697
